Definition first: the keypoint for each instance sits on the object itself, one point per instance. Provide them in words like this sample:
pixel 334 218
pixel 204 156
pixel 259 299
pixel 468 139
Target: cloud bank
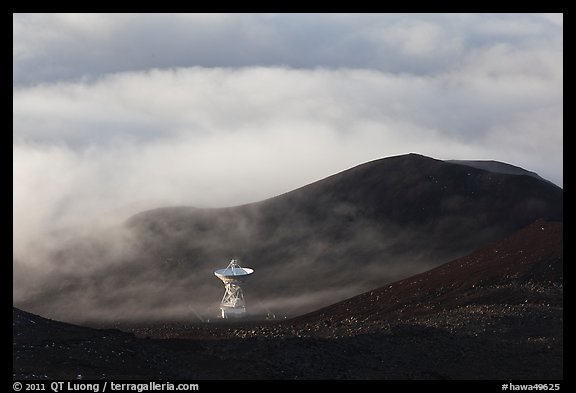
pixel 49 47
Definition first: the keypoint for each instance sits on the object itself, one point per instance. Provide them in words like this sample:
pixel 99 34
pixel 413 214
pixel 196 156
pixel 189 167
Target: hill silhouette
pixel 358 229
pixel 338 237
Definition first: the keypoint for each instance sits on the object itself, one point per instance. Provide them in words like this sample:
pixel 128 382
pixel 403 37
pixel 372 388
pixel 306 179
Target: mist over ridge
pixel 353 231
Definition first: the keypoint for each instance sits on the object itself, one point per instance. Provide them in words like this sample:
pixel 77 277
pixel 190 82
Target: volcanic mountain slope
pixel 376 222
pixel 494 314
pixel 521 275
pixel 496 167
pixel 338 237
pixel 407 205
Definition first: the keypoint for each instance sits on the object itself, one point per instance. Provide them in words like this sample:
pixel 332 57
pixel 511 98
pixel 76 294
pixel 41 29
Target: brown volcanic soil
pixel 520 272
pixel 494 314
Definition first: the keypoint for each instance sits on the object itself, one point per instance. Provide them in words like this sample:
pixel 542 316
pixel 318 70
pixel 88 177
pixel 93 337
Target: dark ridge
pixel 356 230
pixel 497 167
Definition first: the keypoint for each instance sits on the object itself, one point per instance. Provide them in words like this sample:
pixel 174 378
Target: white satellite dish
pixel 232 305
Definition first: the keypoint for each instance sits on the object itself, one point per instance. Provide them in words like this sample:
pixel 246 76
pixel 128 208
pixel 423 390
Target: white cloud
pixel 421 39
pixel 557 19
pixel 50 47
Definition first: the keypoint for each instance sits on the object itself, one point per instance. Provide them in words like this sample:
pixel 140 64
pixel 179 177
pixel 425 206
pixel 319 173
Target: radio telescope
pixel 232 305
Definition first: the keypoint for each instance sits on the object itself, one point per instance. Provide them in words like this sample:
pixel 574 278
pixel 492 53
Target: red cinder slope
pixel 519 276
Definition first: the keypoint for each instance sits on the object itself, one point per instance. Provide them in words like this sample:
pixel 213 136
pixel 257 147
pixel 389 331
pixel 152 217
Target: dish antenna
pixel 232 305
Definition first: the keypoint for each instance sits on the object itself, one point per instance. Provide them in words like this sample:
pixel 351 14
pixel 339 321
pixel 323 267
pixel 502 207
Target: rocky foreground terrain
pixel 494 314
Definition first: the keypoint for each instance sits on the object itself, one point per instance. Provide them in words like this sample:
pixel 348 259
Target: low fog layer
pixel 110 120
